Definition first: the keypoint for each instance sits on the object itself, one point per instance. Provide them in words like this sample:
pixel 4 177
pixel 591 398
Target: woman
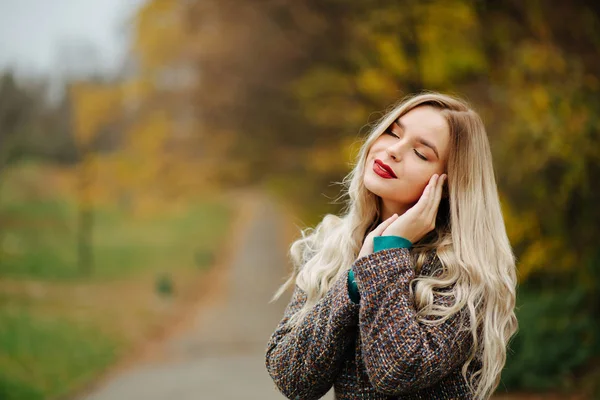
pixel 410 293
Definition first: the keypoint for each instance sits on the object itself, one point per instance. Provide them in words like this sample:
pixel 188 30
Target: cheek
pixel 416 178
pixel 376 148
pixel 417 174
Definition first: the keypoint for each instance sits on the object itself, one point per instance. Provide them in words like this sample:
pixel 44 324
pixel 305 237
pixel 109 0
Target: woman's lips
pixel 379 170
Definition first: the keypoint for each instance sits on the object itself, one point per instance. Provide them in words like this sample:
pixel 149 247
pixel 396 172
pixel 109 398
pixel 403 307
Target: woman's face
pixel 414 147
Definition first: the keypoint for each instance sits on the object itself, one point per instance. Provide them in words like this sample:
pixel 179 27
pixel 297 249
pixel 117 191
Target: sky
pixel 51 37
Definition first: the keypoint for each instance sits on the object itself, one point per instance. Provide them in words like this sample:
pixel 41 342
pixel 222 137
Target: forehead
pixel 428 122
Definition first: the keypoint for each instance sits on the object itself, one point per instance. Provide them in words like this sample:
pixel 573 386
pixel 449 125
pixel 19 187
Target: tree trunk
pixel 85 218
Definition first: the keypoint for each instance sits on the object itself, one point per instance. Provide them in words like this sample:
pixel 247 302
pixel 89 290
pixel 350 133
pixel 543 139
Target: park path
pixel 220 353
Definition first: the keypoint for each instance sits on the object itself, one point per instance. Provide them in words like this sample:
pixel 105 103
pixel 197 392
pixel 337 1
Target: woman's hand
pixel 419 220
pixel 367 247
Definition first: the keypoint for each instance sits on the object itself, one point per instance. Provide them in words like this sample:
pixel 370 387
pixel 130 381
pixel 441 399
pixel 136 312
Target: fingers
pixel 425 201
pixel 379 230
pixel 435 198
pixel 433 185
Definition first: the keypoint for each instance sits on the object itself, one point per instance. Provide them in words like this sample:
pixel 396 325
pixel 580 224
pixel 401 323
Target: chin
pixel 372 186
pixel 387 192
pixel 376 184
pixel 379 189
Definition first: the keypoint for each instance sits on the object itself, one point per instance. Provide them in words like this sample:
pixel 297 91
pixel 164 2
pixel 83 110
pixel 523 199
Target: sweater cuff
pixel 382 268
pixel 390 242
pixel 353 288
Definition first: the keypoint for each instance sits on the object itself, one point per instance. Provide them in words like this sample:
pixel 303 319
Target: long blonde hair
pixel 470 241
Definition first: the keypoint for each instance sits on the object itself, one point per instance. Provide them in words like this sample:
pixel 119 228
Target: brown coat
pixel 373 350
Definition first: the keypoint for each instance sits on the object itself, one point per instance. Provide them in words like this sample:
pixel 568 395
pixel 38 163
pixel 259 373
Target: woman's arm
pixel 379 243
pixel 401 354
pixel 303 361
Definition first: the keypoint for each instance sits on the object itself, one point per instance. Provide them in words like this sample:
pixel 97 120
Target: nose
pixel 394 150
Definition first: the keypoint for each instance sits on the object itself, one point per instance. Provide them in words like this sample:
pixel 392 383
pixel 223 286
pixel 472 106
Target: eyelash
pixel 421 156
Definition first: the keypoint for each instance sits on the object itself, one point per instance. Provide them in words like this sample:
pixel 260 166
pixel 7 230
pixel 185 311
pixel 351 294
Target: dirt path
pixel 219 353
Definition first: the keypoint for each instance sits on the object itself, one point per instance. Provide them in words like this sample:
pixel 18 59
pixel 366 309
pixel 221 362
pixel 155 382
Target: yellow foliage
pixel 539 57
pixel 540 99
pixel 148 134
pixel 328 98
pixel 540 252
pixel 374 83
pixel 545 253
pixel 94 106
pixel 321 159
pixel 520 226
pixel 391 54
pixel 159 33
pixel 442 23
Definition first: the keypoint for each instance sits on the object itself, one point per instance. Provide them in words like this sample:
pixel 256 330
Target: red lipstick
pixel 383 170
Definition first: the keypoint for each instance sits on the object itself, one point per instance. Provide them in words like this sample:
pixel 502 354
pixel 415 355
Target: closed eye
pixel 389 132
pixel 421 156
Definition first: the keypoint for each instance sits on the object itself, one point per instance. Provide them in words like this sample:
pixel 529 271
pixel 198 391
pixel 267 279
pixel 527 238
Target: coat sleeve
pixel 400 353
pixel 304 360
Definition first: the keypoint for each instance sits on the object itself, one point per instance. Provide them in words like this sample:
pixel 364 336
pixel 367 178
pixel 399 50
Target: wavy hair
pixel 470 240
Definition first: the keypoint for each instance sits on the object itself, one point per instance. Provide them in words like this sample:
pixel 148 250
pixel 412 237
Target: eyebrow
pixel 419 139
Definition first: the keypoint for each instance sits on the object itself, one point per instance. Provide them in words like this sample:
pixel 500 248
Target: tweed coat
pixel 374 350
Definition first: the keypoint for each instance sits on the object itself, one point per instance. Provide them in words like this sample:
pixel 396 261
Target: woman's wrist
pixel 353 288
pixel 390 242
pixel 379 243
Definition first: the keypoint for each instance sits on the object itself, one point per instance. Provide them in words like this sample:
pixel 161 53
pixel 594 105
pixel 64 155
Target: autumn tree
pixel 294 82
pixel 95 106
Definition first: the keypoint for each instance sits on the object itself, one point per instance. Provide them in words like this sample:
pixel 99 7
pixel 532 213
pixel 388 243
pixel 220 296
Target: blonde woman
pixel 410 293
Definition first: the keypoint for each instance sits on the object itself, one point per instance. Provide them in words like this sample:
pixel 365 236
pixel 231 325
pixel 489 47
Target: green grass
pixel 39 233
pixel 43 357
pixel 40 241
pixel 34 238
pixel 46 348
pixel 185 240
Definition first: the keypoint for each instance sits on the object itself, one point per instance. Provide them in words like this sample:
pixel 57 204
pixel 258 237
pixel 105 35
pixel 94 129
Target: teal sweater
pixel 379 243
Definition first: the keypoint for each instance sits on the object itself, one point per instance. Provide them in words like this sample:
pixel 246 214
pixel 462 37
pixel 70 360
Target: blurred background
pixel 146 146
